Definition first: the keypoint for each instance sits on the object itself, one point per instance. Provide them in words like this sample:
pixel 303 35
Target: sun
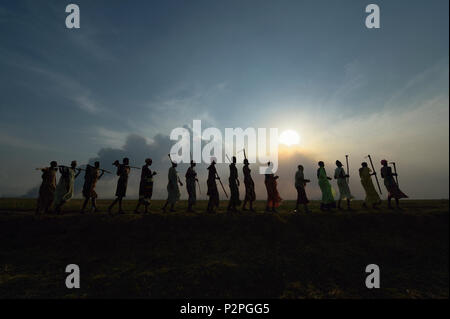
pixel 289 138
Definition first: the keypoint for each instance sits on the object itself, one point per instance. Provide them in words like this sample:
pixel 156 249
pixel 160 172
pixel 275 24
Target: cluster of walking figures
pixel 57 194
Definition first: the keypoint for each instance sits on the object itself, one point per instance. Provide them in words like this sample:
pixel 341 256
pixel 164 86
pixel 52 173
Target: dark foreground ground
pixel 251 255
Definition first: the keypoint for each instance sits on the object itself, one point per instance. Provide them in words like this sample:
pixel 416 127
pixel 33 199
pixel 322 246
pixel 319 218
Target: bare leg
pixel 306 208
pixel 60 206
pixel 112 205
pixel 210 208
pixel 120 206
pixel 84 204
pixel 47 207
pixel 94 204
pixel 136 210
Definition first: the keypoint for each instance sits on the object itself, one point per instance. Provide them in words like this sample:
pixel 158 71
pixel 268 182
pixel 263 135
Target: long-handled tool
pixel 101 169
pixel 170 158
pixel 116 163
pixel 196 179
pixel 243 150
pixel 395 171
pixel 78 168
pixel 223 188
pixel 348 172
pixel 373 170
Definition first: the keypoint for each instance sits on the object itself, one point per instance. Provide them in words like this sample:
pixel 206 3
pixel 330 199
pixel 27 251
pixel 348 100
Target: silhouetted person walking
pixel 173 191
pixel 233 182
pixel 391 185
pixel 91 177
pixel 145 186
pixel 273 197
pixel 250 195
pixel 344 190
pixel 213 193
pixel 325 187
pixel 64 189
pixel 47 189
pixel 123 170
pixel 191 178
pixel 300 184
pixel 372 197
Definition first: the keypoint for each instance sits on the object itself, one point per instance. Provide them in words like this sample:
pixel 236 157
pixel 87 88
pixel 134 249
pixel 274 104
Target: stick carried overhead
pixel 243 150
pixel 65 166
pixel 101 169
pixel 170 158
pixel 373 169
pixel 116 163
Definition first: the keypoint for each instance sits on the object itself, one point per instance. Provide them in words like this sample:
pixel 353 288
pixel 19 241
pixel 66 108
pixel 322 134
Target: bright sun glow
pixel 289 138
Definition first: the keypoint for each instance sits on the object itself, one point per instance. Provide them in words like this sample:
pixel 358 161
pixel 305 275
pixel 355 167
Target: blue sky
pixel 146 67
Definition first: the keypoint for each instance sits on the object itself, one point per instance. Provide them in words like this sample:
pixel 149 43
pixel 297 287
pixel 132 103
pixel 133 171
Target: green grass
pixel 247 255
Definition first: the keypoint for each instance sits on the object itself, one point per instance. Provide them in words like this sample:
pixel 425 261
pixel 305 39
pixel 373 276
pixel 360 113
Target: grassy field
pixel 245 255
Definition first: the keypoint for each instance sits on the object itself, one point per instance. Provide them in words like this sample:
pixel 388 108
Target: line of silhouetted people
pixel 57 194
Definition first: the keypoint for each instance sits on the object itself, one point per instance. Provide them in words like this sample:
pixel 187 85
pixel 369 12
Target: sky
pixel 136 70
